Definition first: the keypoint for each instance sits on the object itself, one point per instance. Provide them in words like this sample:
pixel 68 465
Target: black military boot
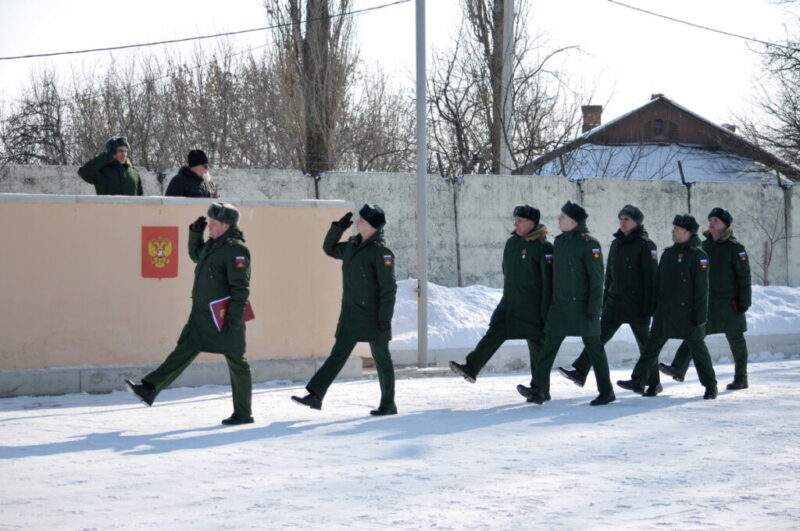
pixel 603 399
pixel 546 398
pixel 632 385
pixel 311 400
pixel 711 392
pixel 384 410
pixel 672 371
pixel 739 382
pixel 236 419
pixel 533 394
pixel 573 375
pixel 143 391
pixel 653 390
pixel 466 370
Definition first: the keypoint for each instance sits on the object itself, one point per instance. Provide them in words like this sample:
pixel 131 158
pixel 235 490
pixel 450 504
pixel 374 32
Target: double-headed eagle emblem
pixel 159 248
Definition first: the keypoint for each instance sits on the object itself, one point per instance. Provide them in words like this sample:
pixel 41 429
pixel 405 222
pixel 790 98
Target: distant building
pixel 661 141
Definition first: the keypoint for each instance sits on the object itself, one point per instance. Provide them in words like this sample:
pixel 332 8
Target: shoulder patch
pixel 743 256
pixel 654 254
pixel 703 263
pixel 548 258
pixel 388 260
pixel 240 262
pixel 596 252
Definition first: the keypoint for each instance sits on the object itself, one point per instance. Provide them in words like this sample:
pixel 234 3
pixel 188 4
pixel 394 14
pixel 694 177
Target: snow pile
pixel 458 317
pixel 657 162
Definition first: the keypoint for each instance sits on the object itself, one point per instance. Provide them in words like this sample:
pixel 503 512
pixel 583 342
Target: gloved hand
pixel 385 326
pixel 199 224
pixel 345 221
pixel 230 326
pixel 111 147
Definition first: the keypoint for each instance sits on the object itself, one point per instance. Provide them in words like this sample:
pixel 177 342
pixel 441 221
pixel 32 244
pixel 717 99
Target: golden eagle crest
pixel 160 249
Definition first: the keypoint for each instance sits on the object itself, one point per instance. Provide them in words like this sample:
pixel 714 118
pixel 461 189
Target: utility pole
pixel 507 84
pixel 422 194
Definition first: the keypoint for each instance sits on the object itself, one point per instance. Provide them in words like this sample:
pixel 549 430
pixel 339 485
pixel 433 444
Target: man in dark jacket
pixel 629 295
pixel 193 179
pixel 112 172
pixel 729 297
pixel 222 270
pixel 681 308
pixel 527 292
pixel 369 290
pixel 577 302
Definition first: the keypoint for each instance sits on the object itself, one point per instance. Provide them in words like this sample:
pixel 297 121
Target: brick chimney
pixel 592 115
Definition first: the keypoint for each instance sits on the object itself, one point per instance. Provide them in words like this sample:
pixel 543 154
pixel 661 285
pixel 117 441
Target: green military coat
pixel 729 289
pixel 109 177
pixel 577 285
pixel 368 285
pixel 629 294
pixel 222 270
pixel 682 307
pixel 527 284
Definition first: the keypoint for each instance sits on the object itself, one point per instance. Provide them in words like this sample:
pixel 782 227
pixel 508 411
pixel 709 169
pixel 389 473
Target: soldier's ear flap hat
pixel 224 213
pixel 527 212
pixel 574 211
pixel 632 212
pixel 373 214
pixel 721 214
pixel 116 142
pixel 686 221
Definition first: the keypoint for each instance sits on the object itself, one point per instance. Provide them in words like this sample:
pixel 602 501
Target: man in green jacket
pixel 729 297
pixel 527 292
pixel 629 295
pixel 369 290
pixel 222 270
pixel 681 308
pixel 577 302
pixel 112 172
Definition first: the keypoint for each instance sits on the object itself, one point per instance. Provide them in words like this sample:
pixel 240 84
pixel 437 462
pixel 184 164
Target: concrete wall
pixel 470 221
pixel 73 294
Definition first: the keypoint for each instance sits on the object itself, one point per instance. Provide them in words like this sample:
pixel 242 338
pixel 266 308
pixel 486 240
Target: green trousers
pixel 493 339
pixel 549 351
pixel 646 368
pixel 608 327
pixel 738 348
pixel 326 374
pixel 182 356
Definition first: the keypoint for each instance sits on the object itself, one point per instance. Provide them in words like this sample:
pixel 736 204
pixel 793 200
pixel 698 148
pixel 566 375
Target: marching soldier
pixel 527 292
pixel 222 270
pixel 681 310
pixel 112 172
pixel 729 297
pixel 629 295
pixel 367 305
pixel 577 301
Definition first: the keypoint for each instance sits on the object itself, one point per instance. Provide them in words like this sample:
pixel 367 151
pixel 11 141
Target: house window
pixel 660 129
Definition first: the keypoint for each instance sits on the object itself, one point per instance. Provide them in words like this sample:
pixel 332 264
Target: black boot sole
pixel 129 387
pixel 459 371
pixel 298 400
pixel 571 378
pixel 529 396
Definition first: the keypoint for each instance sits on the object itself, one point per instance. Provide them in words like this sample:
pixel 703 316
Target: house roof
pixel 725 140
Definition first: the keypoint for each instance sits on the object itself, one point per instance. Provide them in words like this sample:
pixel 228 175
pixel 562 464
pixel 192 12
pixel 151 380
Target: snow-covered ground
pixel 458 317
pixel 458 456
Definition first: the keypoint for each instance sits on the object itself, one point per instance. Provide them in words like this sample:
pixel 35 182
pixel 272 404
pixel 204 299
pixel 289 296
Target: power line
pixel 706 28
pixel 202 37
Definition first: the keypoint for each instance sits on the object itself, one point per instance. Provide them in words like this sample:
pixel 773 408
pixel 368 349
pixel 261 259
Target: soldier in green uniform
pixel 112 172
pixel 729 297
pixel 222 270
pixel 629 295
pixel 681 308
pixel 576 306
pixel 527 292
pixel 369 290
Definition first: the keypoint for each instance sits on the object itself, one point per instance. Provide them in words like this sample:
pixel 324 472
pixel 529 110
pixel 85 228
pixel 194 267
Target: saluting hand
pixel 199 224
pixel 345 221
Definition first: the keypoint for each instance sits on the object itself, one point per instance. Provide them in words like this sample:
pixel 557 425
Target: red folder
pixel 219 308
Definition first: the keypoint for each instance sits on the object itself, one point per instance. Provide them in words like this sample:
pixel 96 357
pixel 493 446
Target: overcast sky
pixel 627 55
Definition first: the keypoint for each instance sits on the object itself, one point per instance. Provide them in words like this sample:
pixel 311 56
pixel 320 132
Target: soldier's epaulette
pixel 588 237
pixel 377 243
